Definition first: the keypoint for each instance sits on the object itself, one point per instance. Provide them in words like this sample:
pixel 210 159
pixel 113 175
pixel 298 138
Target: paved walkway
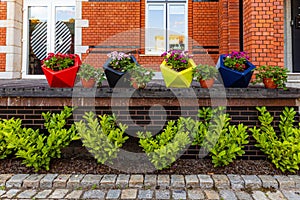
pixel 138 186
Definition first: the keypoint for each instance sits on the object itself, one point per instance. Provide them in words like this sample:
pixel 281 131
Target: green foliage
pixel 163 149
pixel 205 72
pixel 87 72
pixel 283 150
pixel 37 149
pixel 140 75
pixel 8 128
pixel 278 75
pixel 222 140
pixel 102 139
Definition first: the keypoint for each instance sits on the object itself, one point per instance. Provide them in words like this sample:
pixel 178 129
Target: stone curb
pixel 139 186
pixel 141 181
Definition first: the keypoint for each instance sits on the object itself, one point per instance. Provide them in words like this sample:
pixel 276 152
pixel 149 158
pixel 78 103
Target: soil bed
pixel 181 166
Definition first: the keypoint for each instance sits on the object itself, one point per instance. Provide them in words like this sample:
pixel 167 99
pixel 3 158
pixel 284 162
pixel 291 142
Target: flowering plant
pixel 176 59
pixel 236 60
pixel 119 60
pixel 58 61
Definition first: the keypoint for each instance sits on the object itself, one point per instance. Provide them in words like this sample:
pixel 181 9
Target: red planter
pixel 63 78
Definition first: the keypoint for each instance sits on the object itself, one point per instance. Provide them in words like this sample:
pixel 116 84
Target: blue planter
pixel 117 78
pixel 233 78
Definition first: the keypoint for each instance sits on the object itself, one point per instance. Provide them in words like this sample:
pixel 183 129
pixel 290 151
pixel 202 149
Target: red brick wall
pixel 229 26
pixel 110 23
pixel 205 30
pixel 2 36
pixel 212 25
pixel 126 20
pixel 264 31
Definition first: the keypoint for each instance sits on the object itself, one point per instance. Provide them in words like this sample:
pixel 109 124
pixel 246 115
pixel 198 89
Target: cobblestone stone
pixel 47 181
pixel 16 180
pixel 61 181
pixel 285 182
pixel 4 178
pixel 108 180
pixel 177 181
pixel 75 194
pixel 59 194
pixel 27 194
pixel 150 180
pixel 236 181
pixel 243 195
pixel 10 193
pixel 259 195
pixel 252 181
pixel 268 181
pixel 33 181
pixel 211 194
pixel 191 181
pixel 195 194
pixel 94 194
pixel 205 181
pixel 2 192
pixel 113 194
pixel 221 181
pixel 228 194
pixel 291 194
pixel 43 194
pixel 163 181
pixel 122 180
pixel 89 180
pixel 129 194
pixel 74 181
pixel 136 181
pixel 178 194
pixel 145 194
pixel 275 195
pixel 162 194
pixel 296 180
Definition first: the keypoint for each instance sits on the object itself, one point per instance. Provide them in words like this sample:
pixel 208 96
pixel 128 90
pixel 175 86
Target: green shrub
pixel 283 150
pixel 37 149
pixel 223 141
pixel 163 149
pixel 102 140
pixel 7 128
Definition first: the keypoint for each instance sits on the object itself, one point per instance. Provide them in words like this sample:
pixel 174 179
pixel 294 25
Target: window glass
pixel 37 22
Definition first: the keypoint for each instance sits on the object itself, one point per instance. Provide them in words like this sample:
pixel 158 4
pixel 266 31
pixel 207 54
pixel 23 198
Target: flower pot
pixel 88 83
pixel 269 83
pixel 135 84
pixel 63 78
pixel 117 78
pixel 234 78
pixel 182 79
pixel 207 83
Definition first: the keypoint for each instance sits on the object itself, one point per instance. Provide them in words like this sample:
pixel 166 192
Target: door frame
pixel 50 31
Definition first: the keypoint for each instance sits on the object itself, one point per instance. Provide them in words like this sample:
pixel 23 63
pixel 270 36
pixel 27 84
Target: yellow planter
pixel 176 79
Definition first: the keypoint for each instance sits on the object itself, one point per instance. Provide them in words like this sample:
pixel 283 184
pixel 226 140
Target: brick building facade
pixel 212 27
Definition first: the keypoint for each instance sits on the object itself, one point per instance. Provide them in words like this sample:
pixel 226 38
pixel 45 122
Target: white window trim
pixel 28 3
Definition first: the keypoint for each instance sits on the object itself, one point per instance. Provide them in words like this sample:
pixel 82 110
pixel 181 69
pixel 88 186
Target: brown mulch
pixel 181 166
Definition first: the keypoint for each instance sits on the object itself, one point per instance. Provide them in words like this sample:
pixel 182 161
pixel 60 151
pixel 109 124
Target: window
pixel 166 26
pixel 49 28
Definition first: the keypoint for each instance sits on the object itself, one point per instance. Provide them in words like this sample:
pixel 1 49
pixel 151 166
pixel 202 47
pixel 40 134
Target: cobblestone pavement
pixel 138 186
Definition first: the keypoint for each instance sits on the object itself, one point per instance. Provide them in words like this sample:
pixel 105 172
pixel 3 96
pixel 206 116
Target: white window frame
pixel 51 4
pixel 166 23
